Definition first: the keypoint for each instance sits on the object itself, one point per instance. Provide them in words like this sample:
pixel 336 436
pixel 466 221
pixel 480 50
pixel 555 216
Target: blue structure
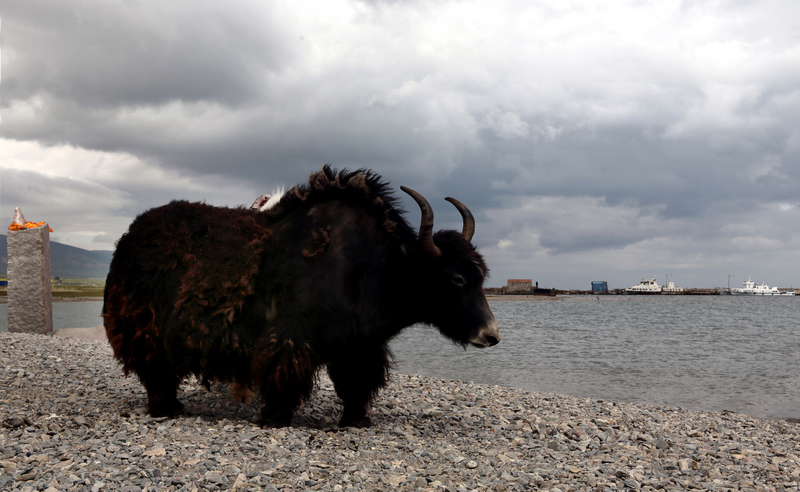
pixel 600 287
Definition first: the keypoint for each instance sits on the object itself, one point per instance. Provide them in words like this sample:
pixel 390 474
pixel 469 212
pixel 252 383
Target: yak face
pixel 458 306
pixel 454 273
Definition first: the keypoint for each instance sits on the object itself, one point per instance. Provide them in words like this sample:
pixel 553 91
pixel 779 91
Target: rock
pixel 156 452
pixel 15 422
pixel 631 484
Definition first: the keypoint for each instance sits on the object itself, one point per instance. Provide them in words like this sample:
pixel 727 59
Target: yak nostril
pixel 492 341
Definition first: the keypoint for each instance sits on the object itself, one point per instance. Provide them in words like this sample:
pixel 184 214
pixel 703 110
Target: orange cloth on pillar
pixel 28 225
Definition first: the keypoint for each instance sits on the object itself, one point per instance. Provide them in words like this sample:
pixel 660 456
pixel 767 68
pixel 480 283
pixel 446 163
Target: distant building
pixel 601 286
pixel 519 284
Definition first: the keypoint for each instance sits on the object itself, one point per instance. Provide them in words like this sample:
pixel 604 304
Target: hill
pixel 67 261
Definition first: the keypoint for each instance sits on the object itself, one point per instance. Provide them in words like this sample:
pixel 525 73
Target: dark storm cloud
pixel 114 53
pixel 572 131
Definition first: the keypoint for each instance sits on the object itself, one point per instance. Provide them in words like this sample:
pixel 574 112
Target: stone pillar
pixel 30 303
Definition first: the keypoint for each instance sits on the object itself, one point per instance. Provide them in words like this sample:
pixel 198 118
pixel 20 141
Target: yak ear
pixel 260 202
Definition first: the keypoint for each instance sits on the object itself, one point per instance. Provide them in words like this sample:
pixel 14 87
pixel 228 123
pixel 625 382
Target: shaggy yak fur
pixel 264 299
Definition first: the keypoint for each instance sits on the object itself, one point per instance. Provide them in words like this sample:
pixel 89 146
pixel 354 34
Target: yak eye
pixel 458 280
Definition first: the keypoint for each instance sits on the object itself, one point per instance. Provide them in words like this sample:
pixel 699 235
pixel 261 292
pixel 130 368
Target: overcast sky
pixel 607 140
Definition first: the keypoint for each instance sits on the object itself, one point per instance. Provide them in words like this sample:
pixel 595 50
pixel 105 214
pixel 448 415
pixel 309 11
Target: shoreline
pixel 71 419
pixel 521 297
pixel 4 299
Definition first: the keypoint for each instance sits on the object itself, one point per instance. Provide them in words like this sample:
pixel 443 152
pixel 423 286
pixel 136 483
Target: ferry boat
pixel 645 287
pixel 672 289
pixel 749 288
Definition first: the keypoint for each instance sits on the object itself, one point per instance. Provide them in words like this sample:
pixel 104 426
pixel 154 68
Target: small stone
pixel 215 478
pixel 472 465
pixel 631 484
pixel 14 422
pixel 27 476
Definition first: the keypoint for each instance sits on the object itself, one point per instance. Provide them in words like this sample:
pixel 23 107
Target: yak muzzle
pixel 488 336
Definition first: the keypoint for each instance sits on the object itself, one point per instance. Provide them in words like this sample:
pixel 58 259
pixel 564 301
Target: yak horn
pixel 426 224
pixel 469 221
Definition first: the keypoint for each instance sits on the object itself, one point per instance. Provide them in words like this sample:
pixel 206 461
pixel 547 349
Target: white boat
pixel 645 287
pixel 749 288
pixel 671 288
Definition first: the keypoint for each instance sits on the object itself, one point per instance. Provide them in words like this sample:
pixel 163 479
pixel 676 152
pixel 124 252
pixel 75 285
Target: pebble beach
pixel 70 420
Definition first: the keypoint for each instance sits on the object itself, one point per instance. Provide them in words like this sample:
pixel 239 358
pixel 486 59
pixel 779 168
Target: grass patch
pixel 79 293
pixel 91 287
pixel 66 288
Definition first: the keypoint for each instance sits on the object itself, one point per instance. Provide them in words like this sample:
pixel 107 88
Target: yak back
pixel 361 188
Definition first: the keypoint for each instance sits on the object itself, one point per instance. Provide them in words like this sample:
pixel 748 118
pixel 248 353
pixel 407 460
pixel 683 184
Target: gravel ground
pixel 69 420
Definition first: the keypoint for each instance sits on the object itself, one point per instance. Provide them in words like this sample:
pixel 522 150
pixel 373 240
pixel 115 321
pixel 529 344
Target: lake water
pixel 66 314
pixel 700 352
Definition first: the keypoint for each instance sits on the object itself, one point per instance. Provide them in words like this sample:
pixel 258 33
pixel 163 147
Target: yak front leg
pixel 285 374
pixel 357 377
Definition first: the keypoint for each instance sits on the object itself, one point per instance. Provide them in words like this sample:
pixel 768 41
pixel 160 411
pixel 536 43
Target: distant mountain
pixel 67 261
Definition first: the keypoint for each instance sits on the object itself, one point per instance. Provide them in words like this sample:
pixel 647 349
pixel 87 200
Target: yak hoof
pixel 158 407
pixel 275 418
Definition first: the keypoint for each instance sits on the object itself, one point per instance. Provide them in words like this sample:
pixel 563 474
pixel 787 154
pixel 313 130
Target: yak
pixel 265 298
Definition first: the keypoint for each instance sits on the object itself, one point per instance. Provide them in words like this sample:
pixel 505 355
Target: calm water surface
pixel 699 352
pixel 705 353
pixel 66 314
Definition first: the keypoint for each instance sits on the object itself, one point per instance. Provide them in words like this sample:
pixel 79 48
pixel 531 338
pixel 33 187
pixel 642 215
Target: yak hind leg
pixel 163 402
pixel 138 347
pixel 159 379
pixel 357 378
pixel 280 404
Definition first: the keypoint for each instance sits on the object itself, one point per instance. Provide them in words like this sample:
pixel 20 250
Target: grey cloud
pixel 638 139
pixel 112 54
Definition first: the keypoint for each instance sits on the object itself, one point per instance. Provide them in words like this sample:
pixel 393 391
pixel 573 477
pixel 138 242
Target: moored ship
pixel 749 288
pixel 672 289
pixel 645 287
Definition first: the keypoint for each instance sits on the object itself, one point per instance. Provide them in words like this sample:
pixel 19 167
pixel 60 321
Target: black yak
pixel 264 299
